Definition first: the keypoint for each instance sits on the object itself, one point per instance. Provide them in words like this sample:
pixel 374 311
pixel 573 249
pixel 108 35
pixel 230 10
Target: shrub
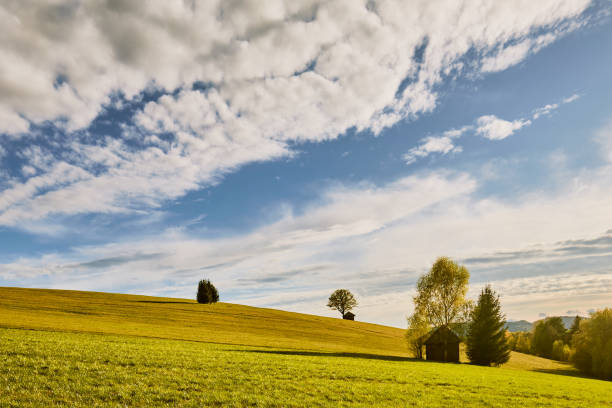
pixel 568 353
pixel 511 339
pixel 593 345
pixel 519 341
pixel 545 334
pixel 573 330
pixel 415 335
pixel 523 343
pixel 207 293
pixel 561 351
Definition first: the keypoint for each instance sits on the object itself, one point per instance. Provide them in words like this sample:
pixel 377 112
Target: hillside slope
pixel 222 323
pixel 85 349
pixel 183 319
pixel 42 368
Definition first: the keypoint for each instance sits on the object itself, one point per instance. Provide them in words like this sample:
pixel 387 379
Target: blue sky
pixel 288 149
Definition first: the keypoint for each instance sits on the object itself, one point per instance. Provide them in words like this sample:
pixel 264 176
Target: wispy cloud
pixel 194 90
pixel 493 128
pixel 270 278
pixel 436 144
pixel 572 98
pixel 114 261
pixel 377 240
pixel 488 126
pixel 548 109
pixel 601 245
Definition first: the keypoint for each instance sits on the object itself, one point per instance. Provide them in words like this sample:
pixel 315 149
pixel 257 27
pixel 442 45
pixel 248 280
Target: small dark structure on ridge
pixel 442 344
pixel 348 316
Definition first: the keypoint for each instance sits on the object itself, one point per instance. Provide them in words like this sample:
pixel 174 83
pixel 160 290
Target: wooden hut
pixel 348 316
pixel 442 344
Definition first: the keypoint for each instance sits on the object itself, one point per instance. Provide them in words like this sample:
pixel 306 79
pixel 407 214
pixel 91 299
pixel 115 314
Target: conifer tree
pixel 207 293
pixel 486 340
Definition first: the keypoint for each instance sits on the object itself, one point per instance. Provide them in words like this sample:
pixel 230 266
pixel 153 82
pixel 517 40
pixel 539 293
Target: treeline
pixel 587 344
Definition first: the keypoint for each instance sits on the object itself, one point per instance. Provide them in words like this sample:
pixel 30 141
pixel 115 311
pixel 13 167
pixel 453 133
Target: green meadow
pixel 68 348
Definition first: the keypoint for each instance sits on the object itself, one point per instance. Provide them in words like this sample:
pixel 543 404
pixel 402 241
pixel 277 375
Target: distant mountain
pixel 524 325
pixel 518 326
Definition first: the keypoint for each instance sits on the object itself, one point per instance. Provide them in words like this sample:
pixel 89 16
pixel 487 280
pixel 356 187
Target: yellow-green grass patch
pixel 99 349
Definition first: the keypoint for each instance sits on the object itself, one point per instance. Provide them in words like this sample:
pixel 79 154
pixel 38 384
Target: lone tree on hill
pixel 342 300
pixel 441 294
pixel 207 293
pixel 486 339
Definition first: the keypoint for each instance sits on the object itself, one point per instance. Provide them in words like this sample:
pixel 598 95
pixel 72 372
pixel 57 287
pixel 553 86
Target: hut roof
pixel 441 335
pixel 349 314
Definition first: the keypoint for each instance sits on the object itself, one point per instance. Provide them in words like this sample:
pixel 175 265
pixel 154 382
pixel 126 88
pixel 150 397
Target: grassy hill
pixel 184 319
pixel 97 349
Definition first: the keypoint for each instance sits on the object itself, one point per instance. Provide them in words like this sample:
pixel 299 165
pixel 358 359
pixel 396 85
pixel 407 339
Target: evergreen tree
pixel 207 293
pixel 486 340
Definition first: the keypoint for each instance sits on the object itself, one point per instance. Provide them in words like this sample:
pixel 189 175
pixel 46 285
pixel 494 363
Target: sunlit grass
pixel 187 320
pixel 85 351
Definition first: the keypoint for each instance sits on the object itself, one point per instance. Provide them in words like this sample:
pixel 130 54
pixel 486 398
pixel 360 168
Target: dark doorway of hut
pixel 442 344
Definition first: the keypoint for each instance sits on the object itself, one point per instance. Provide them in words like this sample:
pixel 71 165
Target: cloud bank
pixel 117 107
pixel 201 88
pixel 379 239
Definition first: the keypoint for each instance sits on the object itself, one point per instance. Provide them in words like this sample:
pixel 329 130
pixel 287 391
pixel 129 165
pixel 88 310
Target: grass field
pixel 183 319
pixel 93 349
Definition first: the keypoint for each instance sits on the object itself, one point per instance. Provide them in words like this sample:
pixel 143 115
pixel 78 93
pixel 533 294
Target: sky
pixel 285 149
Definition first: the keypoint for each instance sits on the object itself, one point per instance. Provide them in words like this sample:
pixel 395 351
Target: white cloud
pixel 493 128
pixel 442 145
pixel 572 98
pixel 549 108
pixel 11 123
pixel 544 110
pixel 28 171
pixel 507 57
pixel 488 126
pixel 275 72
pixel 376 240
pixel 436 144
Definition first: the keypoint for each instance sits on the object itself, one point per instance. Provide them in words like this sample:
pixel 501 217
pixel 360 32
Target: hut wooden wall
pixel 435 352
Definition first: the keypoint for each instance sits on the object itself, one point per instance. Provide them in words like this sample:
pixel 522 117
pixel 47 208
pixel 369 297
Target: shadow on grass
pixel 568 372
pixel 324 354
pixel 163 301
